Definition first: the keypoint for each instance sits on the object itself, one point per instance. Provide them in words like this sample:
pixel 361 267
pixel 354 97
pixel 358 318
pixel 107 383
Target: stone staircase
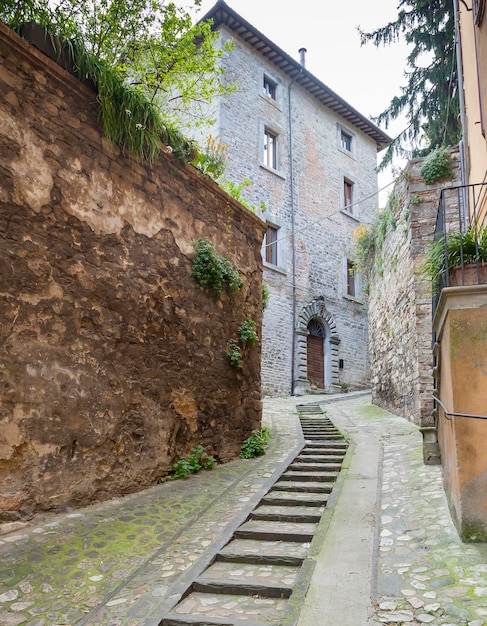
pixel 255 577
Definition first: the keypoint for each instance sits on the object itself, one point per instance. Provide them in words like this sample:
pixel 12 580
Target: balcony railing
pixel 459 250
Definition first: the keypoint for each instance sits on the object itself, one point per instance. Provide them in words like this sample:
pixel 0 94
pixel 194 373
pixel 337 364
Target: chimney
pixel 302 57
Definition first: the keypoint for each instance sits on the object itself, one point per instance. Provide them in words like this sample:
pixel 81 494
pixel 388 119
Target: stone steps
pixel 253 577
pixel 270 513
pixel 293 498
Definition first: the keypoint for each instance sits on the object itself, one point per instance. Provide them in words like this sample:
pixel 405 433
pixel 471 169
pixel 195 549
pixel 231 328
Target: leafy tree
pixel 429 99
pixel 152 44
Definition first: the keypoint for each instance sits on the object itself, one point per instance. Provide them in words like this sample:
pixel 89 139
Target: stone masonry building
pixel 311 159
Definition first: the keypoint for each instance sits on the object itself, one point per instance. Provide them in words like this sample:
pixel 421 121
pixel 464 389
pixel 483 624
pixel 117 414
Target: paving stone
pixel 74 562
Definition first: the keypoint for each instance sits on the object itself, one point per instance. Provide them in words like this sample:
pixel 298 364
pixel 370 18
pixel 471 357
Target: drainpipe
pixel 463 156
pixel 302 52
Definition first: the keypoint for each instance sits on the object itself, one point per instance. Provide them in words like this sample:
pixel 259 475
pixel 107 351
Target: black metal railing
pixel 459 249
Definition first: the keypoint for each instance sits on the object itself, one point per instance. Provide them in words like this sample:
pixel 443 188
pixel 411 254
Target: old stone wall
pixel 113 363
pixel 400 314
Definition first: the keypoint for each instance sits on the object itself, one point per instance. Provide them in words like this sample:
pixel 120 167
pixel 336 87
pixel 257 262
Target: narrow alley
pixel 384 552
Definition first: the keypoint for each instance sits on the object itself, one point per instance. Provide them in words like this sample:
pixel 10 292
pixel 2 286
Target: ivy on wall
pixel 213 270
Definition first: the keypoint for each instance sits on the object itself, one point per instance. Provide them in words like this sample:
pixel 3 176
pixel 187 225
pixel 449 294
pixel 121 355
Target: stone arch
pixel 316 310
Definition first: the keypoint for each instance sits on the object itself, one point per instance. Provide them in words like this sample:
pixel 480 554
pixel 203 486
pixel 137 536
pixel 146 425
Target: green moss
pixel 371 410
pixel 473 532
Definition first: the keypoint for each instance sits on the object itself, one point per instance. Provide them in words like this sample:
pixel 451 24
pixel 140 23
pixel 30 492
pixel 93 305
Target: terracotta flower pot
pixel 469 276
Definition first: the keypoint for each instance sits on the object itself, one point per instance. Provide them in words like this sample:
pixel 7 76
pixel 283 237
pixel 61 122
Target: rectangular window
pixel 270 149
pixel 270 88
pixel 351 279
pixel 347 195
pixel 271 245
pixel 346 141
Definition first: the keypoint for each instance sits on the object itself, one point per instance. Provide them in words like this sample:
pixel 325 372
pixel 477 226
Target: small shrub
pixel 212 270
pixel 212 161
pixel 436 166
pixel 196 460
pixel 235 191
pixel 256 444
pixel 247 332
pixel 234 353
pixel 237 347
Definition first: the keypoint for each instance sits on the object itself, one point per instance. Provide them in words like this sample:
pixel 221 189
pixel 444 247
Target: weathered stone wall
pixel 400 323
pixel 113 364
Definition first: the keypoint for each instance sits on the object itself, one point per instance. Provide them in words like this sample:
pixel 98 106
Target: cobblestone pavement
pixel 114 563
pixel 425 574
pixel 118 563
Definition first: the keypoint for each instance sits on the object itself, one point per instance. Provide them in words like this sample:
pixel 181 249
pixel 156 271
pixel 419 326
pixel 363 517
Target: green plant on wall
pixel 214 271
pixel 248 333
pixel 234 353
pixel 369 241
pixel 256 444
pixel 147 59
pixel 436 166
pixel 248 337
pixel 236 191
pixel 213 159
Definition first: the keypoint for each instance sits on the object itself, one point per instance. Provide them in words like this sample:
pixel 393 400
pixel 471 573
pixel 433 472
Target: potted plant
pixel 463 255
pixel 345 387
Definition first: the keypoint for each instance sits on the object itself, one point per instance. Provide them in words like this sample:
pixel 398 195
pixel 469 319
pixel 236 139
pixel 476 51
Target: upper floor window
pixel 270 88
pixel 271 247
pixel 352 279
pixel 270 149
pixel 348 193
pixel 345 141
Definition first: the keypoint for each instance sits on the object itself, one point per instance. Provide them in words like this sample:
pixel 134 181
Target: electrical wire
pixel 330 215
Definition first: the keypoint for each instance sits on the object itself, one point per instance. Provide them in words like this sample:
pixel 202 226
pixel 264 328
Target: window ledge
pixel 347 152
pixel 274 268
pixel 272 171
pixel 351 215
pixel 270 100
pixel 347 296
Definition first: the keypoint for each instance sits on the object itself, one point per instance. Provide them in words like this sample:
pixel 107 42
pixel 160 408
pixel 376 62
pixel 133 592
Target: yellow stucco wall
pixel 474 61
pixel 462 332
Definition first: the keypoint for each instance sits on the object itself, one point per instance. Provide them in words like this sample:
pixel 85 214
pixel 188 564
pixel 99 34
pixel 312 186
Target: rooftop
pixel 223 15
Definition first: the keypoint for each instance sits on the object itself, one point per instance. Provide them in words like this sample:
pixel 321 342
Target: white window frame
pixel 352 209
pixel 343 130
pixel 270 154
pixel 273 92
pixel 280 248
pixel 357 295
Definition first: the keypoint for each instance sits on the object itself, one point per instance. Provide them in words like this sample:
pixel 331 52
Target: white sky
pixel 366 77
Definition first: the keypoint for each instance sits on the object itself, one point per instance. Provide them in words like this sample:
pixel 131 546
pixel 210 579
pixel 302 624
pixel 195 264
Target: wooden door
pixel 316 369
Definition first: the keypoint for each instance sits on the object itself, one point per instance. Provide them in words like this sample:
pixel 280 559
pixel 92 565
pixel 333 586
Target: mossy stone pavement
pixel 118 563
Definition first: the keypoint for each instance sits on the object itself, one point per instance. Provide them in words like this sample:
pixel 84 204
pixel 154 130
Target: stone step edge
pixel 307 518
pixel 302 477
pixel 259 559
pixel 303 487
pixel 274 535
pixel 289 501
pixel 234 588
pixel 190 620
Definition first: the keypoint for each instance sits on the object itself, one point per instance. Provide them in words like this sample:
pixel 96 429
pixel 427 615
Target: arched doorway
pixel 314 320
pixel 315 344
